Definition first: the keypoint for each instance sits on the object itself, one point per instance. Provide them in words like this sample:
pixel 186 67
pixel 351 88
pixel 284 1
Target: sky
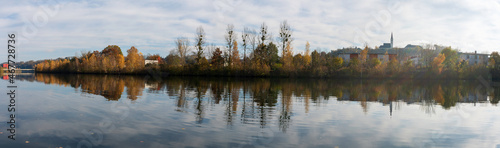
pixel 48 29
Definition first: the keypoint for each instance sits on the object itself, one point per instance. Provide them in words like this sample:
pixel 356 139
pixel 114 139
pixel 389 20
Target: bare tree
pixel 253 38
pixel 182 47
pixel 428 54
pixel 263 34
pixel 209 50
pixel 285 36
pixel 200 42
pixel 230 38
pixel 245 37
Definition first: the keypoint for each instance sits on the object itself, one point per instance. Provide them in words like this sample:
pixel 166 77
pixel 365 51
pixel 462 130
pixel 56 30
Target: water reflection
pixel 258 99
pixel 231 112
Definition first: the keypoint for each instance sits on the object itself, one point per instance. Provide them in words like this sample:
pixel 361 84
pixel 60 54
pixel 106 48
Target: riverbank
pixel 422 75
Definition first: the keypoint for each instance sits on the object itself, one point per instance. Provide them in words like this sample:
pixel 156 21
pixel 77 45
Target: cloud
pixel 153 26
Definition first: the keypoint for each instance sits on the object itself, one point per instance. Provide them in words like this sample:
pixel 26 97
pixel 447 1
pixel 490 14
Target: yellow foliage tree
pixel 288 58
pixel 120 62
pixel 235 57
pixel 363 55
pixel 307 55
pixel 437 63
pixel 92 64
pixel 135 61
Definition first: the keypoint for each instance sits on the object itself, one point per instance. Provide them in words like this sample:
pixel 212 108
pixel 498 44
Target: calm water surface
pixel 128 111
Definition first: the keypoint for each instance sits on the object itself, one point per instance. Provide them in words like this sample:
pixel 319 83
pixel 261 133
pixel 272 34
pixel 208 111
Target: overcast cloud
pixel 50 29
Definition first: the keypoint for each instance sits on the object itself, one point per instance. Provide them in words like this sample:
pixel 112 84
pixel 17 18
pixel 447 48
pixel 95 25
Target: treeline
pixel 267 57
pixel 495 65
pixel 109 60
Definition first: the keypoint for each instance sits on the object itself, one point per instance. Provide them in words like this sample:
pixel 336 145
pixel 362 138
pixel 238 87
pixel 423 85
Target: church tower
pixel 392 41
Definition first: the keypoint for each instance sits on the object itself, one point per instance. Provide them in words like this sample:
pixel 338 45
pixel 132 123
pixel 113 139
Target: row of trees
pixel 109 60
pixel 267 57
pixel 212 60
pixel 495 65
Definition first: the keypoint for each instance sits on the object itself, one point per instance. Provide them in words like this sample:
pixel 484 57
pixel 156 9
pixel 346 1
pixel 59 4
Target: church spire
pixel 392 41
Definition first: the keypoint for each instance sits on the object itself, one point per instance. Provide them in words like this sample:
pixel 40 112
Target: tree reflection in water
pixel 264 101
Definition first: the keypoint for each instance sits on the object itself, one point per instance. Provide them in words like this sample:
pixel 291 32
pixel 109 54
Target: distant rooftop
pixel 473 53
pixel 372 51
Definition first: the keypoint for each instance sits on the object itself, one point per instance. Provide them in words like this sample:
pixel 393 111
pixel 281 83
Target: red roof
pixel 5 65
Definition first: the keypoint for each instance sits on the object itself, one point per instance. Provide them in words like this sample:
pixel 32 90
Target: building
pixel 415 60
pixel 146 62
pixel 383 57
pixel 414 47
pixel 348 56
pixel 474 58
pixel 384 53
pixel 388 45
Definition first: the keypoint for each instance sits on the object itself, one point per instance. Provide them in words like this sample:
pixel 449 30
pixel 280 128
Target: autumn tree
pixel 287 58
pixel 235 57
pixel 354 65
pixel 298 62
pixel 408 66
pixel 271 55
pixel 260 65
pixel 307 56
pixel 265 55
pixel 315 61
pixel 495 65
pixel 153 57
pixel 173 61
pixel 393 66
pixel 437 63
pixel 495 60
pixel 491 63
pixel 92 63
pixel 52 65
pixel 363 55
pixel 217 60
pixel 135 60
pixel 114 58
pixel 373 62
pixel 335 64
pixel 75 65
pixel 230 38
pixel 120 62
pixel 428 54
pixel 451 58
pixel 363 59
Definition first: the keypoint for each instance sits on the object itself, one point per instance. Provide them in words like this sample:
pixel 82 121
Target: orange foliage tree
pixel 135 60
pixel 437 63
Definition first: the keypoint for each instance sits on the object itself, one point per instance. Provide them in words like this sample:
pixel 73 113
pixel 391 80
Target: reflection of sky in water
pixel 50 115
